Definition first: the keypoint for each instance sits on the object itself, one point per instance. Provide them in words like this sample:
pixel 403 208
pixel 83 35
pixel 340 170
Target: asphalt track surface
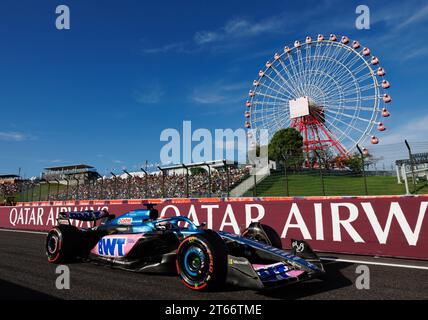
pixel 26 274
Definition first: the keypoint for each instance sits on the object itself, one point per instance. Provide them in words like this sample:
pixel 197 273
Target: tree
pixel 327 158
pixel 354 163
pixel 286 147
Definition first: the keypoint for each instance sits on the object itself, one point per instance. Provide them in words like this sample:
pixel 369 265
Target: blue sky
pixel 102 92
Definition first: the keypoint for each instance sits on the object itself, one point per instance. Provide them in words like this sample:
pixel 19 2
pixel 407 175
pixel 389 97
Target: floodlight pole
pixel 363 169
pixel 411 165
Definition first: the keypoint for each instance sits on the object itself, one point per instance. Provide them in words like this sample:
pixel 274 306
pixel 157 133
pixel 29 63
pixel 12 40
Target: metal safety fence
pixel 394 169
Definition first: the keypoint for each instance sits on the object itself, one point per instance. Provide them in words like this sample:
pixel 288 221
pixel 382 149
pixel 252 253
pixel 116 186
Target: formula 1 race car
pixel 204 259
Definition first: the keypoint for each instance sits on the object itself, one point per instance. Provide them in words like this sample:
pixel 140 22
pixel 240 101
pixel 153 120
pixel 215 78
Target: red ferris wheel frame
pixel 310 127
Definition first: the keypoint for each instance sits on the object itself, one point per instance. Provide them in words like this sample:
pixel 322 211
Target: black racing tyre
pixel 258 235
pixel 63 243
pixel 202 261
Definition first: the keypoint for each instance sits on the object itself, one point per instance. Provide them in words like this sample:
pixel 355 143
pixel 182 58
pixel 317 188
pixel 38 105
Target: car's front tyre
pixel 202 261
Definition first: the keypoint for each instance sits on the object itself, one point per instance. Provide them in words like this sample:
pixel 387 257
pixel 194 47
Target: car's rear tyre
pixel 202 261
pixel 263 233
pixel 62 244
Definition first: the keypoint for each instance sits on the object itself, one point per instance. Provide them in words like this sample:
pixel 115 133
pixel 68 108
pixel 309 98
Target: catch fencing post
pixel 226 167
pixel 89 189
pixel 49 190
pixel 77 188
pixel 145 183
pixel 115 185
pixel 163 181
pixel 287 192
pixel 363 169
pixel 255 180
pixel 209 179
pixel 101 196
pixel 21 191
pixel 32 192
pixel 285 157
pixel 40 191
pixel 57 189
pixel 129 185
pixel 68 185
pixel 187 179
pixel 321 175
pixel 411 165
pixel 27 191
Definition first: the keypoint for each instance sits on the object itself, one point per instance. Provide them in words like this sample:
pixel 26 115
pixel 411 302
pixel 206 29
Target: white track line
pixel 376 263
pixel 23 231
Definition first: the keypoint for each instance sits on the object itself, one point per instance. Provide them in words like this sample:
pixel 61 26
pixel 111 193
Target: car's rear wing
pixel 87 215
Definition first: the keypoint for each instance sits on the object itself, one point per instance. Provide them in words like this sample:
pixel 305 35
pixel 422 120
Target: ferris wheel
pixel 332 91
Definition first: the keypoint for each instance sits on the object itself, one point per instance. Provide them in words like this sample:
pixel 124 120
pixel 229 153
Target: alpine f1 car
pixel 204 259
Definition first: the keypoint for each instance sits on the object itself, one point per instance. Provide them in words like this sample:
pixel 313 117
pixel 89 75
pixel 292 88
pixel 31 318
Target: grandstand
pixel 9 178
pixel 377 174
pixel 81 172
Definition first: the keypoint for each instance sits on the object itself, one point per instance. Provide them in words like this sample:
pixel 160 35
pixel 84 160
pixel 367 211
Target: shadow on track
pixel 11 291
pixel 334 279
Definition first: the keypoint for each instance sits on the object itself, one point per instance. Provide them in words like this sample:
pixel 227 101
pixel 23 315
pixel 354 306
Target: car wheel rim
pixel 194 261
pixel 52 244
pixel 194 264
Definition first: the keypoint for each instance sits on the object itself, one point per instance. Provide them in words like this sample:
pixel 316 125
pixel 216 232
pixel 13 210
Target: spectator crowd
pixel 155 185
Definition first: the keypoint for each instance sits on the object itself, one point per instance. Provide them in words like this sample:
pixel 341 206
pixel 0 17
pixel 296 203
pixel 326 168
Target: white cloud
pixel 175 46
pixel 240 28
pixel 419 16
pixel 219 93
pixel 412 53
pixel 202 37
pixel 231 32
pixel 149 94
pixel 415 129
pixel 13 136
